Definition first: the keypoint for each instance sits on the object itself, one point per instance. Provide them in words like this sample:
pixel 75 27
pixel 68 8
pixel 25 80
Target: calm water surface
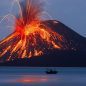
pixel 27 76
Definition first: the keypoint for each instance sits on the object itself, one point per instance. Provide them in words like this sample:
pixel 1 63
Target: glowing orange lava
pixel 31 37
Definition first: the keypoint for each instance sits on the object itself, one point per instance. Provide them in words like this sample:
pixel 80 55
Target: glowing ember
pixel 31 37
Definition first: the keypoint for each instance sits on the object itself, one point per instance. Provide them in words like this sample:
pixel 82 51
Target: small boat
pixel 51 71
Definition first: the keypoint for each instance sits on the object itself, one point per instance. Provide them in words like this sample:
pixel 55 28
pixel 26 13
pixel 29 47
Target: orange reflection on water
pixel 32 80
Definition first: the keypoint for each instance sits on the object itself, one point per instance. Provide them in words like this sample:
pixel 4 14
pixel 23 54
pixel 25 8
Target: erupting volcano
pixel 41 41
pixel 31 37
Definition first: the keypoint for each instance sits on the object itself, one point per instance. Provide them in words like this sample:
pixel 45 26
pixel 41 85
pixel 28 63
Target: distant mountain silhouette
pixel 72 56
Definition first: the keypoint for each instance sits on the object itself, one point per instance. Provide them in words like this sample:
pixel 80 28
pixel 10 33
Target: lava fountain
pixel 30 37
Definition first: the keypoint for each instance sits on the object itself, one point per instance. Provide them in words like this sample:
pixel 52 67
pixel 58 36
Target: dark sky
pixel 70 12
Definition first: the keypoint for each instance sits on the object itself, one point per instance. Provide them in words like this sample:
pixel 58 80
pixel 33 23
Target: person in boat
pixel 50 71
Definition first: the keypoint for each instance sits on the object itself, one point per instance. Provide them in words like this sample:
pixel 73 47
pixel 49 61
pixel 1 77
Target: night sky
pixel 70 12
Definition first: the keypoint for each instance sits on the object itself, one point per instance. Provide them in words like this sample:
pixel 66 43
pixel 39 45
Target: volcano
pixel 38 42
pixel 72 52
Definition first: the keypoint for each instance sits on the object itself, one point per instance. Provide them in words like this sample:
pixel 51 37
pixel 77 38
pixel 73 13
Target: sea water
pixel 36 76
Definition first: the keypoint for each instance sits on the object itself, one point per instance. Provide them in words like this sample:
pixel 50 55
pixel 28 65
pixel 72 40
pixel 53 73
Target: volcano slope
pixel 72 51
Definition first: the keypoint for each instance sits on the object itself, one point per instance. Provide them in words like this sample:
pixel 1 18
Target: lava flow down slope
pixel 37 38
